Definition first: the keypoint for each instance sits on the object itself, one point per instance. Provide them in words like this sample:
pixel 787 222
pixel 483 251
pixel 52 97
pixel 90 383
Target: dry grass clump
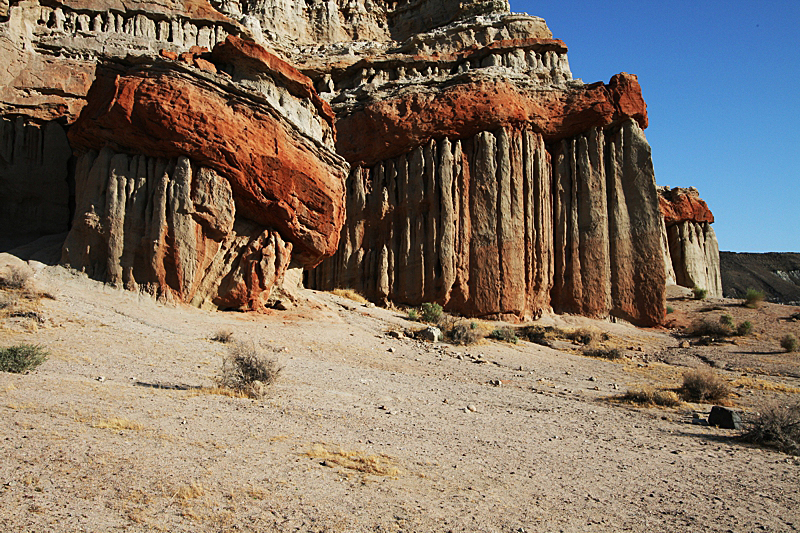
pixel 22 358
pixel 224 336
pixel 375 464
pixel 15 278
pixel 612 354
pixel 746 382
pixel 245 369
pixel 117 423
pixel 776 426
pixel 699 293
pixel 648 396
pixel 464 334
pixel 704 385
pixel 790 343
pixel 350 294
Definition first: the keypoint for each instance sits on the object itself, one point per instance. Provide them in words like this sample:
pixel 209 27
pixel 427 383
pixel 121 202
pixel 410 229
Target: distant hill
pixel 776 274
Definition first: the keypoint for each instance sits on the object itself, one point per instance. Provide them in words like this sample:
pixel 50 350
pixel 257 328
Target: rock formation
pixel 431 150
pixel 689 242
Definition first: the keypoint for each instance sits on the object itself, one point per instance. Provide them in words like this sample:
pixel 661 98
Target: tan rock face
pixel 690 244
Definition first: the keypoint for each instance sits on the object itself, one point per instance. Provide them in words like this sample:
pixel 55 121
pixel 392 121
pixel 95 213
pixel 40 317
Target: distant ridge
pixel 776 274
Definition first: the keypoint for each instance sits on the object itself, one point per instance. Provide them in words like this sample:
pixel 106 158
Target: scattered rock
pixel 724 418
pixel 471 408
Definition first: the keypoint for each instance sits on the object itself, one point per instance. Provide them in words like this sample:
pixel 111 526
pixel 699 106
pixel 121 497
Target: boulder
pixel 724 418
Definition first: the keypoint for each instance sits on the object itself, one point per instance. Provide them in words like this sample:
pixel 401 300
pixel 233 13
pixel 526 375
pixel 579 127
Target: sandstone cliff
pixel 439 150
pixel 689 242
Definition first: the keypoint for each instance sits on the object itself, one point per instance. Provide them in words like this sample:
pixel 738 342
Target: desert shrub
pixel 431 312
pixel 670 309
pixel 699 293
pixel 350 294
pixel 463 334
pixel 775 426
pixel 14 278
pixel 726 320
pixel 504 334
pixel 22 358
pixel 704 327
pixel 223 335
pixel 246 369
pixel 650 396
pixel 745 328
pixel 612 354
pixel 789 343
pixel 413 314
pixel 753 298
pixel 704 385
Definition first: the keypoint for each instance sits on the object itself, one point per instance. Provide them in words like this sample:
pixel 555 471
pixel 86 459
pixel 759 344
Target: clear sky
pixel 722 86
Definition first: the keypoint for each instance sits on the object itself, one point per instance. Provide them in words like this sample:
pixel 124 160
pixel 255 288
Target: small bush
pixel 431 312
pixel 699 293
pixel 505 334
pixel 753 298
pixel 224 336
pixel 726 320
pixel 463 334
pixel 777 427
pixel 350 294
pixel 612 354
pixel 246 370
pixel 704 327
pixel 22 358
pixel 650 396
pixel 670 309
pixel 14 278
pixel 745 328
pixel 703 385
pixel 413 315
pixel 789 343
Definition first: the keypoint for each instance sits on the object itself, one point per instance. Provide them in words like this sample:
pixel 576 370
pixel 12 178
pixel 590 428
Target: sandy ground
pixel 367 432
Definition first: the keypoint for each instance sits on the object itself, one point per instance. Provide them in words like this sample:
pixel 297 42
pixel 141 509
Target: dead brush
pixel 245 369
pixel 776 426
pixel 611 354
pixel 463 334
pixel 704 385
pixel 223 335
pixel 15 278
pixel 375 464
pixel 648 396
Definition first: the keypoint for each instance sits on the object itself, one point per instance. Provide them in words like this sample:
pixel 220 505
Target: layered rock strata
pixel 689 242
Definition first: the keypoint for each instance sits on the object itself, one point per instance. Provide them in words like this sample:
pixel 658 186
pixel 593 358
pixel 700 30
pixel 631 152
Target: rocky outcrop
pixel 689 242
pixel 777 275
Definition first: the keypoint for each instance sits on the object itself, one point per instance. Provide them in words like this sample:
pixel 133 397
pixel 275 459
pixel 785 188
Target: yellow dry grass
pixel 375 464
pixel 189 491
pixel 117 423
pixel 220 391
pixel 350 294
pixel 746 382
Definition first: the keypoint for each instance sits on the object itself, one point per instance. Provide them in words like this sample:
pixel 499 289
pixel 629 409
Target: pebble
pixel 390 350
pixel 100 378
pixel 592 378
pixel 471 408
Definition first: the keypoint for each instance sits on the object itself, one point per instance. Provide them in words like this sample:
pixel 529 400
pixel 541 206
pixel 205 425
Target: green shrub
pixel 775 426
pixel 704 385
pixel 246 370
pixel 670 310
pixel 789 343
pixel 753 298
pixel 413 315
pixel 726 320
pixel 431 312
pixel 505 334
pixel 22 358
pixel 745 328
pixel 699 294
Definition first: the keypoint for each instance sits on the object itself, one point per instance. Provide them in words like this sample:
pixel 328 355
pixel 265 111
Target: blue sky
pixel 722 86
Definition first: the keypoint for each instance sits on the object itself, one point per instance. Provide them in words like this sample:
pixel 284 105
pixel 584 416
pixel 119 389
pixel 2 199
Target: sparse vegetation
pixel 612 354
pixel 22 358
pixel 378 465
pixel 699 293
pixel 245 369
pixel 224 336
pixel 726 320
pixel 413 315
pixel 753 298
pixel 463 334
pixel 670 309
pixel 648 396
pixel 350 294
pixel 745 328
pixel 704 385
pixel 14 278
pixel 504 334
pixel 708 328
pixel 790 343
pixel 776 426
pixel 431 312
pixel 117 423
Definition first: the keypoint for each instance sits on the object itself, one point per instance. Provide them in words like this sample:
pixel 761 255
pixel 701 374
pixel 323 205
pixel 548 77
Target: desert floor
pixel 366 430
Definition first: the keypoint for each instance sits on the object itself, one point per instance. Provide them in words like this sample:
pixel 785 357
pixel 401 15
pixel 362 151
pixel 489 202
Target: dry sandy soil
pixel 367 432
